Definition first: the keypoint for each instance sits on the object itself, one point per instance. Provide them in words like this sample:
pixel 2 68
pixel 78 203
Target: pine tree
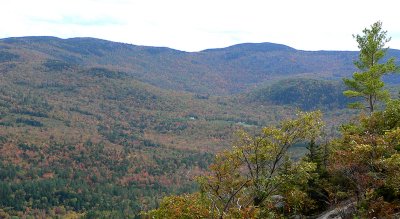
pixel 368 83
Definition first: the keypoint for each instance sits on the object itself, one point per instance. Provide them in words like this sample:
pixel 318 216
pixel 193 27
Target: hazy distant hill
pixel 216 71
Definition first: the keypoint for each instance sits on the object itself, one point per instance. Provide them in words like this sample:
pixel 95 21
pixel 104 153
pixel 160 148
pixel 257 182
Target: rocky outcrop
pixel 343 211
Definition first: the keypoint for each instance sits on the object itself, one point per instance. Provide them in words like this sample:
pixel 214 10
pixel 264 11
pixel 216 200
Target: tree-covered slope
pixel 92 138
pixel 88 125
pixel 352 175
pixel 215 71
pixel 304 93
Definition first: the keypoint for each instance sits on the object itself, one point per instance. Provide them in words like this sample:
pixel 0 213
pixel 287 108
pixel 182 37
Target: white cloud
pixel 195 25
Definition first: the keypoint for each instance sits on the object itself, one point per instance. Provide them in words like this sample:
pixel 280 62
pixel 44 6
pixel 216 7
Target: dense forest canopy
pixel 258 178
pixel 95 129
pixel 304 93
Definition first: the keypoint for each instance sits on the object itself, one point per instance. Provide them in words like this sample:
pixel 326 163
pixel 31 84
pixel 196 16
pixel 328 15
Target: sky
pixel 194 25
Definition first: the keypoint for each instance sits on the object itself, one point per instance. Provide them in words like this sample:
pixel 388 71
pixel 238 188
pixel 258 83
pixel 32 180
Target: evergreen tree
pixel 368 83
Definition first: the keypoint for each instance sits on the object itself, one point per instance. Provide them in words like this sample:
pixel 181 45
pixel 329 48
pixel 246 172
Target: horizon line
pixel 155 46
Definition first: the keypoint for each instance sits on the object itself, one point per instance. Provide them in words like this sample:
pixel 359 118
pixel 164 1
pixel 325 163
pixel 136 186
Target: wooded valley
pixel 96 129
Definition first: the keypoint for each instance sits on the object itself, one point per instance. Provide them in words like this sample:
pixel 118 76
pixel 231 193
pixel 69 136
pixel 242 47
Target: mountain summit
pixel 213 71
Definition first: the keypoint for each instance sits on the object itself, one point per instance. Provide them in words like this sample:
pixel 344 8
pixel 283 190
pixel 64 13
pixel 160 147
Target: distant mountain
pixel 91 126
pixel 214 71
pixel 253 47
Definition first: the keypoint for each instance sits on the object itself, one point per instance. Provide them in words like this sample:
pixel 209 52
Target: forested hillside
pixel 304 93
pixel 93 128
pixel 216 71
pixel 352 175
pixel 78 138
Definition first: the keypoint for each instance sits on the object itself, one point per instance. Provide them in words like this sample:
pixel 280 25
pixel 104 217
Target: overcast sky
pixel 193 25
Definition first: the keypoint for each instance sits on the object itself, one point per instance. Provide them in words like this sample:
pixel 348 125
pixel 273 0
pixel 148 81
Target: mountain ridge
pixel 238 45
pixel 221 71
